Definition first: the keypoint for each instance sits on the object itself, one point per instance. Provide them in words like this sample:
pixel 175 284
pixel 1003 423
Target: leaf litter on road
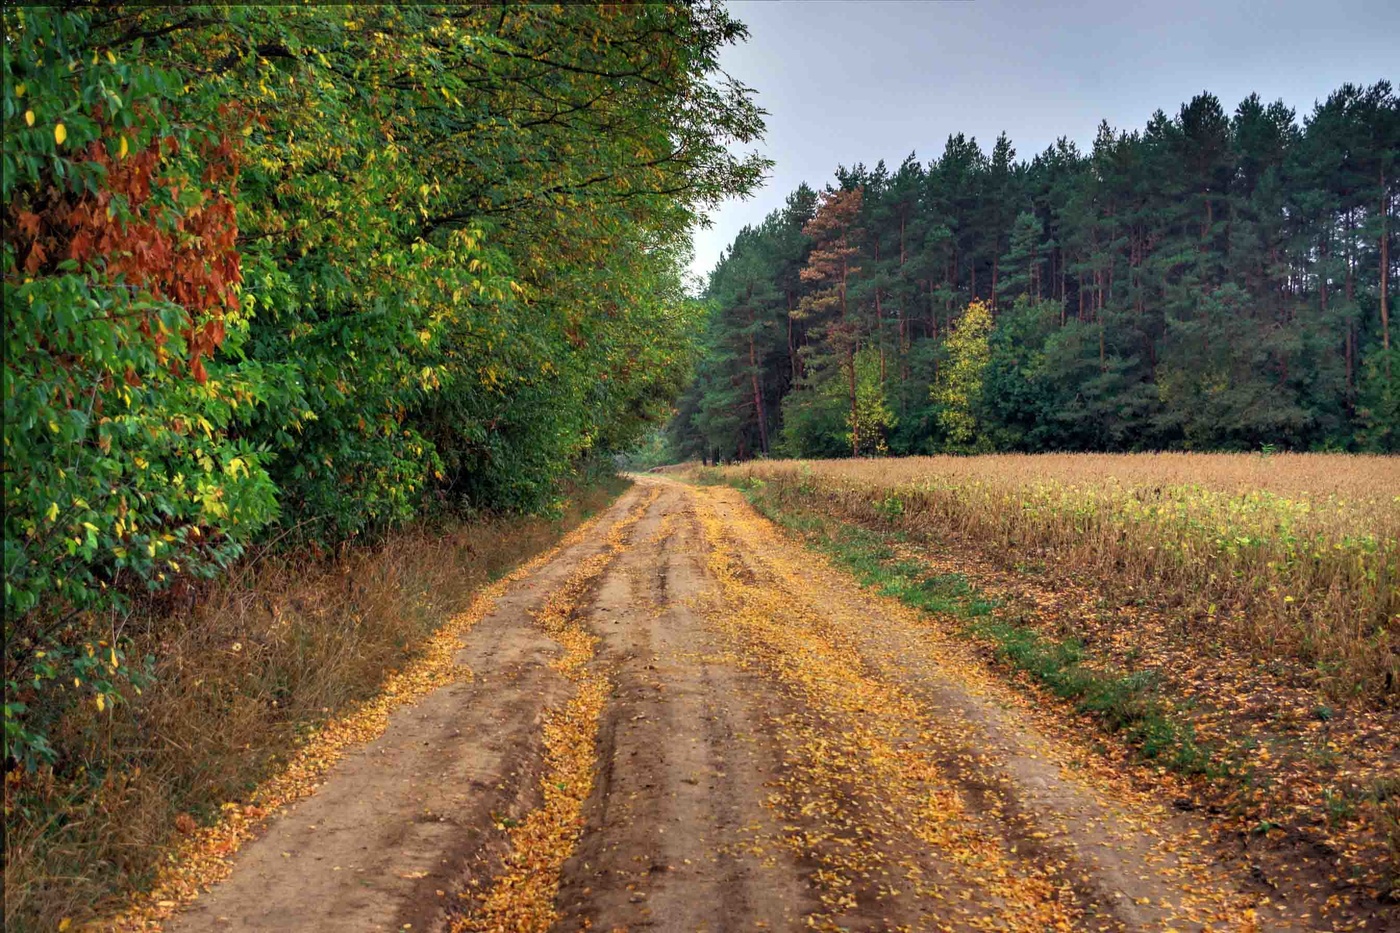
pixel 522 897
pixel 205 856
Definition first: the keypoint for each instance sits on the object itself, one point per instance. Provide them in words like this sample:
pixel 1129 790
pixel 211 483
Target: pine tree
pixel 827 306
pixel 1212 279
pixel 1021 266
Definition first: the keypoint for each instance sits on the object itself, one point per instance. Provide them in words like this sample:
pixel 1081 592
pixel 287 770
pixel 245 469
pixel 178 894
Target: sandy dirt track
pixel 685 721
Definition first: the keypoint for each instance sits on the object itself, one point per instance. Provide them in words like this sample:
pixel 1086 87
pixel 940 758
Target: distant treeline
pixel 1212 281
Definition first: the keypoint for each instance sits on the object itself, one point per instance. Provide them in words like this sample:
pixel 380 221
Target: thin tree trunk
pixel 880 332
pixel 1062 287
pixel 757 393
pixel 1385 270
pixel 1351 358
pixel 903 293
pixel 931 327
pixel 1322 276
pixel 879 317
pixel 795 360
pixel 851 360
pixel 855 421
pixel 903 344
pixel 1351 266
pixel 1351 297
pixel 1036 271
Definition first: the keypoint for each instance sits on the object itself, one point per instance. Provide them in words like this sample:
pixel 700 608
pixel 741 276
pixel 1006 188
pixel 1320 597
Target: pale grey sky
pixel 848 82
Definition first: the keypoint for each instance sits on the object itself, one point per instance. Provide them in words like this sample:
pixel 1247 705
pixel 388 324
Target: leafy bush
pixel 123 385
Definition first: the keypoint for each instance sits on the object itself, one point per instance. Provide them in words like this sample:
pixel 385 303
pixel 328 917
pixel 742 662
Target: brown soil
pixel 777 749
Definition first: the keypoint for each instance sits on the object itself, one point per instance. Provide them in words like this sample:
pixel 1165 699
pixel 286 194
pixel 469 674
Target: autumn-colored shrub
pixel 1284 555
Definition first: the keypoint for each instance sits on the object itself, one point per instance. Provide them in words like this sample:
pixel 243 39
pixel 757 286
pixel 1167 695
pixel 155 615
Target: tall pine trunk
pixel 757 393
pixel 794 360
pixel 1351 298
pixel 1385 270
pixel 850 360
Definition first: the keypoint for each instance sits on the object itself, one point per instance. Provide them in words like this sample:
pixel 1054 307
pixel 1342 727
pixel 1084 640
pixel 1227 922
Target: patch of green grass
pixel 710 476
pixel 1338 806
pixel 1127 702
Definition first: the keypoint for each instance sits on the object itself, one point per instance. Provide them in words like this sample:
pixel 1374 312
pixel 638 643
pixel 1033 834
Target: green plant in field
pixel 891 508
pixel 1337 805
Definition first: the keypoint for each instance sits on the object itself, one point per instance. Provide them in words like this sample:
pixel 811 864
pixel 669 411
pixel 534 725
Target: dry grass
pixel 1289 555
pixel 279 647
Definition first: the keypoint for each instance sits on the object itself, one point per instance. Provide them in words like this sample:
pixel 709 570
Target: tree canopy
pixel 306 273
pixel 1211 281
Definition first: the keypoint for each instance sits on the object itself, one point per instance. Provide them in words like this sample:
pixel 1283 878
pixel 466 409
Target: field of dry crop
pixel 1288 555
pixel 1232 619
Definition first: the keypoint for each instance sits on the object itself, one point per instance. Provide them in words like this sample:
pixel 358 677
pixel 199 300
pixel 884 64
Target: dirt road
pixel 683 721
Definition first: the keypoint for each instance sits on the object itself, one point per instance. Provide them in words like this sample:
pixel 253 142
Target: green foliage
pixel 1020 393
pixel 871 421
pixel 122 470
pixel 653 450
pixel 958 389
pixel 1212 280
pixel 1378 408
pixel 730 408
pixel 300 274
pixel 816 420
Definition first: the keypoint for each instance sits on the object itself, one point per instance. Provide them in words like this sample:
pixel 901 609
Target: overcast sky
pixel 848 82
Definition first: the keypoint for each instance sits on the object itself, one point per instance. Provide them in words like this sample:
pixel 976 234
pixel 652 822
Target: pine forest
pixel 1213 280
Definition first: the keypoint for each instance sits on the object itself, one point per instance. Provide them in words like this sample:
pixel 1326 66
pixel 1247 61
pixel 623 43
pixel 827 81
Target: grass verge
pixel 269 654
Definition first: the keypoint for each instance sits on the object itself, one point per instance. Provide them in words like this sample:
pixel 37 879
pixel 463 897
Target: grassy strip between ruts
pixel 1129 703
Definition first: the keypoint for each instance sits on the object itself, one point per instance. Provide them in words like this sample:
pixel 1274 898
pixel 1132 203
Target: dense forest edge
pixel 1212 281
pixel 305 276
